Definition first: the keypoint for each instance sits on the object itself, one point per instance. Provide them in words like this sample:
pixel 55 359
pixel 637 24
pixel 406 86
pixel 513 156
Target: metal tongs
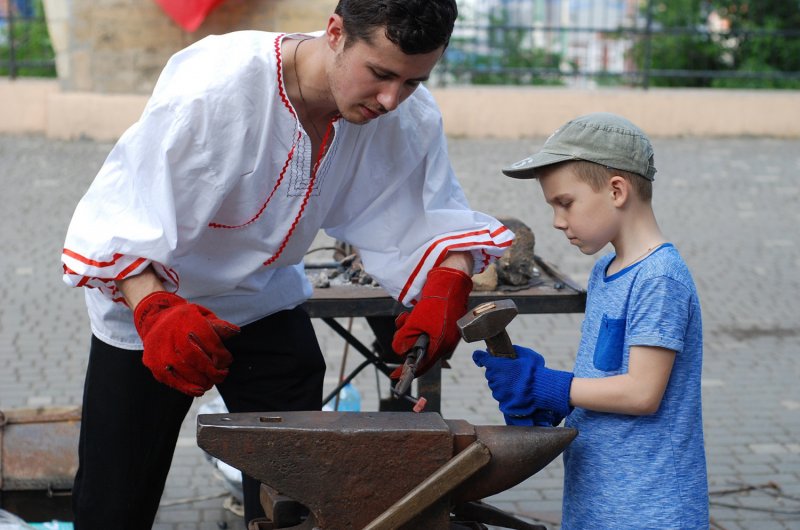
pixel 414 359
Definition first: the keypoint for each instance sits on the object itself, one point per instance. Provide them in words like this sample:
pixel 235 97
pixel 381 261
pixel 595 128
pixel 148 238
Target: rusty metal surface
pixel 39 448
pixel 434 488
pixel 517 453
pixel 348 468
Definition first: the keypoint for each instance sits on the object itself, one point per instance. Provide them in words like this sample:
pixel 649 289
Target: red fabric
pixel 183 342
pixel 188 14
pixel 443 301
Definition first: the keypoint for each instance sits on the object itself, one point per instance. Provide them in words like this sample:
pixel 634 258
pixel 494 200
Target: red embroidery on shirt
pixel 279 56
pixel 310 188
pixel 271 194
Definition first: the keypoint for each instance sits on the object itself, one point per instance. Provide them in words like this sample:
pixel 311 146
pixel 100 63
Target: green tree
pixel 505 58
pixel 674 45
pixel 767 36
pixel 761 38
pixel 32 50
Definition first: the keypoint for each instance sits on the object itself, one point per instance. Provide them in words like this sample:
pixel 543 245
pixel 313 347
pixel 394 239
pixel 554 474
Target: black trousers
pixel 130 422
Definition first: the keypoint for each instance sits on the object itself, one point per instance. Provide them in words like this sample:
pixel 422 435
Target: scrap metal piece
pixel 516 265
pixel 39 448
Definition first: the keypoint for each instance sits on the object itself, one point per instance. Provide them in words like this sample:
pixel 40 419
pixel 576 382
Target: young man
pixel 638 461
pixel 192 236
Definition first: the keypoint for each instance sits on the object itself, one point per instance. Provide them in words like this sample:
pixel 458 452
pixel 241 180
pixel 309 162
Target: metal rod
pixel 363 350
pixel 440 483
pixel 12 49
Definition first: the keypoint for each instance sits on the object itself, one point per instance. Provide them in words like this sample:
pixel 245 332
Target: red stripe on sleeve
pixel 91 262
pixel 427 253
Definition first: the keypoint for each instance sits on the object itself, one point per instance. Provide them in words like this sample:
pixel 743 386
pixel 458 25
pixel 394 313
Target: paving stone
pixel 729 204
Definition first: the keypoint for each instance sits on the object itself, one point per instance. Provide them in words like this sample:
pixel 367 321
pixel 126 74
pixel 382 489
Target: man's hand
pixel 183 342
pixel 523 386
pixel 442 302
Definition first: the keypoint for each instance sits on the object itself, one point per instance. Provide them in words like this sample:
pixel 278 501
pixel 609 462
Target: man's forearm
pixel 137 287
pixel 459 260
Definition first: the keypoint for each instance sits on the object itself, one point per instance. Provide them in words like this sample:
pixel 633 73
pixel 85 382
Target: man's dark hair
pixel 416 26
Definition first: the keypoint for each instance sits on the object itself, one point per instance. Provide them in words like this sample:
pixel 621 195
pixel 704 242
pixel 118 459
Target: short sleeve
pixel 659 314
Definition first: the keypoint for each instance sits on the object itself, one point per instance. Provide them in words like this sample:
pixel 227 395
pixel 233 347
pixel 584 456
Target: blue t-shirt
pixel 639 472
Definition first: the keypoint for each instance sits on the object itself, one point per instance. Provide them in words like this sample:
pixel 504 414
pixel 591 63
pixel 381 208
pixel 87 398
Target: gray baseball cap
pixel 600 137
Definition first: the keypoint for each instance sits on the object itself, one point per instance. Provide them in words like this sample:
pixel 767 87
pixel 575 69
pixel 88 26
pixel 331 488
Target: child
pixel 638 461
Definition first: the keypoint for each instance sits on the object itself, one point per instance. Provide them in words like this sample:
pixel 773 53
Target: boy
pixel 638 461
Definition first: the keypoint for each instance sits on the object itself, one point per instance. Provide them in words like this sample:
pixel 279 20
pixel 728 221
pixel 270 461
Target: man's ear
pixel 334 33
pixel 619 189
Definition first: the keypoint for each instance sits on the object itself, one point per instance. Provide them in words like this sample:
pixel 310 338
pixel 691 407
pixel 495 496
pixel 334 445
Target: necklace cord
pixel 300 89
pixel 646 253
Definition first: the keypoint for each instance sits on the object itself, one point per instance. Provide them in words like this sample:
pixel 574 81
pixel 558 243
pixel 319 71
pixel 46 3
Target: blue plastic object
pixel 349 400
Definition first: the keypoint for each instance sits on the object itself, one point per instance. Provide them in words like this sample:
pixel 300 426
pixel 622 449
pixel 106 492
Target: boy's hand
pixel 539 418
pixel 442 302
pixel 523 385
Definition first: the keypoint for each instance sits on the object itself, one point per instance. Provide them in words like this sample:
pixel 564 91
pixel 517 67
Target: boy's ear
pixel 619 189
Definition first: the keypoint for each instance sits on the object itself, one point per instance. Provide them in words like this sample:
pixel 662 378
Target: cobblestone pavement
pixel 729 205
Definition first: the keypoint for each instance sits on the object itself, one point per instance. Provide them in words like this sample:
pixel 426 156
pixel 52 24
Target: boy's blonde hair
pixel 597 175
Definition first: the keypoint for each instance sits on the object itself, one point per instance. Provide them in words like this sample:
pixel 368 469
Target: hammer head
pixel 487 320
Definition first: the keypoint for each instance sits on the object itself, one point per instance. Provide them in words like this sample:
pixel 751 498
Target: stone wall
pixel 120 46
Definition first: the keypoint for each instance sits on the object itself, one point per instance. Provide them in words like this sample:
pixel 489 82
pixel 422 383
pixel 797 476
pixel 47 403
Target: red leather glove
pixel 442 302
pixel 183 342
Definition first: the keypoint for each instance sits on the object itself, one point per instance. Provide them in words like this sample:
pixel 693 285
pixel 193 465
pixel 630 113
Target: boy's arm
pixel 637 392
pixel 523 385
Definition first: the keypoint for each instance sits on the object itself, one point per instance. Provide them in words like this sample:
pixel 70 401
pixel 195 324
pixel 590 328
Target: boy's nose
pixel 559 223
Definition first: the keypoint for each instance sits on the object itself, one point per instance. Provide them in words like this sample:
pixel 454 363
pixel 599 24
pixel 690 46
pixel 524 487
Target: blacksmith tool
pixel 408 372
pixel 488 322
pixel 419 402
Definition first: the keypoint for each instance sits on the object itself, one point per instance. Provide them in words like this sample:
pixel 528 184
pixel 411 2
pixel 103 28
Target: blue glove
pixel 523 385
pixel 539 418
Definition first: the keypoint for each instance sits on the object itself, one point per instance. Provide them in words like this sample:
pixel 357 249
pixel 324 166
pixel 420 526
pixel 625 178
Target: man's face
pixel 587 217
pixel 371 79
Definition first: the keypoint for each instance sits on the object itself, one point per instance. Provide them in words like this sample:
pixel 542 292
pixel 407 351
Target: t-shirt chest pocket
pixel 610 340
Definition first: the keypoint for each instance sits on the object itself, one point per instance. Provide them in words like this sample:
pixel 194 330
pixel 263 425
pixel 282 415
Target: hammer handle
pixel 500 346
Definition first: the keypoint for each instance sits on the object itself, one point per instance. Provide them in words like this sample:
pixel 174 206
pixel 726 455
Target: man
pixel 192 235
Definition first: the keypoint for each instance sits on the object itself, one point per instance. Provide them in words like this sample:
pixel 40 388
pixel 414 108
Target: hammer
pixel 488 322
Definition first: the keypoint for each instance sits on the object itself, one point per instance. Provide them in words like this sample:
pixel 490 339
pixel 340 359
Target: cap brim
pixel 526 168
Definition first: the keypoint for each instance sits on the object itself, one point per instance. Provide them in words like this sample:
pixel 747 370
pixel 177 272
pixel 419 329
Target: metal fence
pixel 588 43
pixel 574 43
pixel 25 48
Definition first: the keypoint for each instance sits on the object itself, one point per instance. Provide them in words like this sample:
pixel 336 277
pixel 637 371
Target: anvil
pixel 355 470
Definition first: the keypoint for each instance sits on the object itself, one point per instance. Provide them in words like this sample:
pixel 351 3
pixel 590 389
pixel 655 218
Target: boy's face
pixel 587 217
pixel 371 79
